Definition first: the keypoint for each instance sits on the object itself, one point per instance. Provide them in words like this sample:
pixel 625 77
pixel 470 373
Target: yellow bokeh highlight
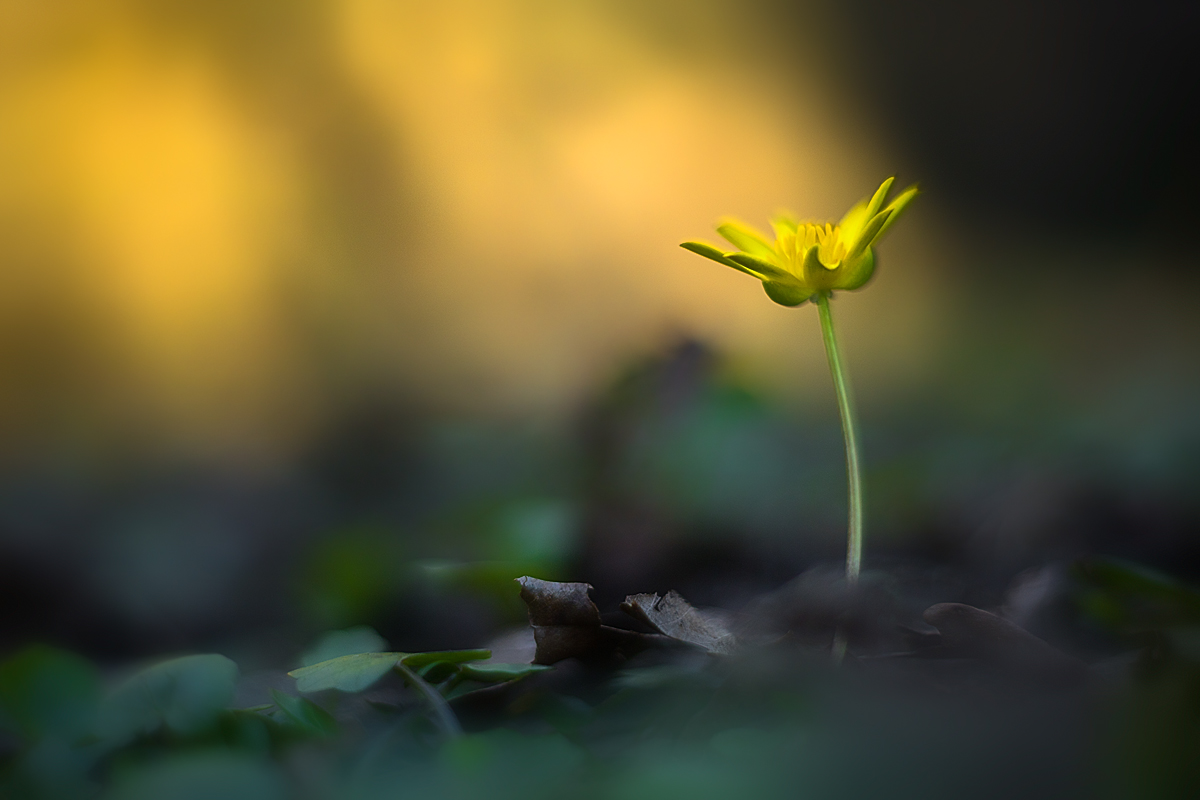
pixel 560 152
pixel 547 157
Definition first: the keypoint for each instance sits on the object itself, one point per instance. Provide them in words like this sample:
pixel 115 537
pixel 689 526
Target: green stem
pixel 441 709
pixel 850 434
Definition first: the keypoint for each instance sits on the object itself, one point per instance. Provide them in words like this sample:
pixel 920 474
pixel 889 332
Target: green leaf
pixel 352 673
pixel 497 673
pixel 708 251
pixel 361 639
pixel 746 238
pixel 305 714
pixel 185 695
pixel 416 660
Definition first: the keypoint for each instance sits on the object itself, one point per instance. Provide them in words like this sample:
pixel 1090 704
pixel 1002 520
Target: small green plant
pixel 810 261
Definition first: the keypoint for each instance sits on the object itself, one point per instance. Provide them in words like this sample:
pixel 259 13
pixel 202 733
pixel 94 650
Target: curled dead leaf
pixel 565 621
pixel 566 624
pixel 675 617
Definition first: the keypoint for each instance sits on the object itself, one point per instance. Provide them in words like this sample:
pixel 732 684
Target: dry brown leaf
pixel 565 621
pixel 566 624
pixel 675 617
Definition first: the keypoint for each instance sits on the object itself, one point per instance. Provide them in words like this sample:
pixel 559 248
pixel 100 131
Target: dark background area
pixel 1069 117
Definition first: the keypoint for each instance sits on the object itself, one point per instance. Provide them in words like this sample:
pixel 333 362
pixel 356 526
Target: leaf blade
pixel 498 673
pixel 352 673
pixel 450 656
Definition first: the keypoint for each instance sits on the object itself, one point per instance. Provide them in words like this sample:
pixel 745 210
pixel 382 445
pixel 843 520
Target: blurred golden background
pixel 244 241
pixel 221 222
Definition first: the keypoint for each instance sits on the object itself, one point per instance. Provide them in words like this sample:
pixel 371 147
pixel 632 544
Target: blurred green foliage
pixel 767 723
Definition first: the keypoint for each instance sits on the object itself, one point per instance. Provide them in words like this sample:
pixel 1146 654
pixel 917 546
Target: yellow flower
pixel 806 258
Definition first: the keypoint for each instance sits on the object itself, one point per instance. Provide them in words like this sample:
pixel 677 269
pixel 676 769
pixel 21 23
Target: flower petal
pixel 879 196
pixel 783 222
pixel 897 206
pixel 745 238
pixel 852 224
pixel 785 246
pixel 708 251
pixel 787 294
pixel 869 233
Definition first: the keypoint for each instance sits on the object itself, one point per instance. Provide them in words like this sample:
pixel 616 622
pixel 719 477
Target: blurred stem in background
pixel 850 433
pixel 442 713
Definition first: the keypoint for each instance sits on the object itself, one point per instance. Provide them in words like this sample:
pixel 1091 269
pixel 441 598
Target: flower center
pixel 827 238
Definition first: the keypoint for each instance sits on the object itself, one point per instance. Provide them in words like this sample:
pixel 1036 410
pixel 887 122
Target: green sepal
pixel 760 268
pixel 815 274
pixel 745 238
pixel 708 251
pixel 897 206
pixel 853 274
pixel 786 294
